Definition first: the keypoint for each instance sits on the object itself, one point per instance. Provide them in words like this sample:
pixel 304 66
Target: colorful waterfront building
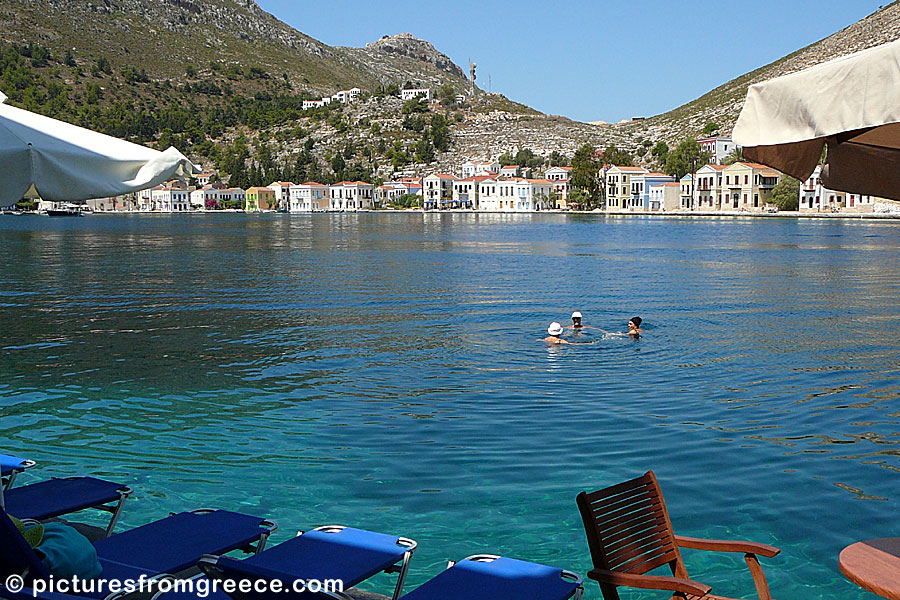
pixel 259 198
pixel 560 177
pixel 748 186
pixel 351 195
pixel 619 186
pixel 687 192
pixel 308 197
pixel 708 191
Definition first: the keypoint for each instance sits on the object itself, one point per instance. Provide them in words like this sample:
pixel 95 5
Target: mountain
pixel 223 80
pixel 163 37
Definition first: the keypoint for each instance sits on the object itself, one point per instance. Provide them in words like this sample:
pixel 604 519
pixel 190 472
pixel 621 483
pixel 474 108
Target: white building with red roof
pixel 465 191
pixel 437 190
pixel 560 178
pixel 709 190
pixel 308 197
pixel 514 194
pixel 282 191
pixel 351 195
pixel 471 168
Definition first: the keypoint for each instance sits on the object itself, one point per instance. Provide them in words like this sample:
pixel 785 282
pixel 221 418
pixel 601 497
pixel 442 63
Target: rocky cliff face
pixel 406 44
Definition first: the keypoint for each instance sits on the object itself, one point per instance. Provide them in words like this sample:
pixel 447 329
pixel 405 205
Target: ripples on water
pixel 384 371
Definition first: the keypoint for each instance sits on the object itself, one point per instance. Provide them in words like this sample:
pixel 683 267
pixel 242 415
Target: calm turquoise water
pixel 384 370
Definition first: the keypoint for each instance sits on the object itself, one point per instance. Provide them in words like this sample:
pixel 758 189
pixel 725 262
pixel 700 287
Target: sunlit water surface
pixel 384 371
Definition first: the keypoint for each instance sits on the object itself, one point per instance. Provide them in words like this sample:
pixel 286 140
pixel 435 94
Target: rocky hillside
pixel 163 37
pixel 203 74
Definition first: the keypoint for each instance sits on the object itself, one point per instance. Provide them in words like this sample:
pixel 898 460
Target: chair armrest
pixel 650 582
pixel 727 546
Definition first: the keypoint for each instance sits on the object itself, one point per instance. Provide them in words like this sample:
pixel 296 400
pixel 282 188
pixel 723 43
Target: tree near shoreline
pixel 584 177
pixel 686 158
pixel 786 193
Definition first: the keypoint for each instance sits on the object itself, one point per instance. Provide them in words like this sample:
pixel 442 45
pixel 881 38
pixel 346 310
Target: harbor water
pixel 385 370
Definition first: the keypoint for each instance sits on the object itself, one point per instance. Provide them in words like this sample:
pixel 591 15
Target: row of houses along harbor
pixel 486 185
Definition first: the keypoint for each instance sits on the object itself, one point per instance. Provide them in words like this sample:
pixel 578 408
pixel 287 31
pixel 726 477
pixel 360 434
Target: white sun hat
pixel 555 328
pixel 576 315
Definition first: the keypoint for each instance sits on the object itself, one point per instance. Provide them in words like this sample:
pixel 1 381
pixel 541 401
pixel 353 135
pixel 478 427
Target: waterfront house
pixel 560 178
pixel 618 186
pixel 233 197
pixel 748 186
pixel 465 191
pixel 282 191
pixel 665 197
pixel 438 190
pixel 533 194
pixel 205 198
pixel 471 168
pixel 170 199
pixel 259 198
pixel 351 195
pixel 514 194
pixel 308 197
pixel 413 184
pixel 718 147
pixel 815 197
pixel 391 191
pixel 708 191
pixel 640 189
pixel 204 178
pixel 687 192
pixel 411 93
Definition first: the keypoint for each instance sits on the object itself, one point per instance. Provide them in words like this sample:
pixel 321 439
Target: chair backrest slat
pixel 627 527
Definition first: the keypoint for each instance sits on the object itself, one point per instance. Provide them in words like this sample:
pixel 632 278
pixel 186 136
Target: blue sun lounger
pixel 332 552
pixel 491 577
pixel 170 545
pixel 479 577
pixel 58 496
pixel 10 466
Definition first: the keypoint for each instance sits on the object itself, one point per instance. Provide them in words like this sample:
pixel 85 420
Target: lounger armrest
pixel 650 582
pixel 727 546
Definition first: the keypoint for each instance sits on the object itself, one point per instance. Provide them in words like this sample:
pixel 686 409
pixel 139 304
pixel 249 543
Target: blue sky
pixel 604 60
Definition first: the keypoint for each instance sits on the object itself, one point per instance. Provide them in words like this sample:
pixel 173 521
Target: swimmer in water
pixel 555 330
pixel 634 327
pixel 577 324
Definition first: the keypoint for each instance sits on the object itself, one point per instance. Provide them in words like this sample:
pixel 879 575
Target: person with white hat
pixel 555 330
pixel 577 325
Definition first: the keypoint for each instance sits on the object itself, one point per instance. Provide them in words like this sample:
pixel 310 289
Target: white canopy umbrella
pixel 68 163
pixel 852 104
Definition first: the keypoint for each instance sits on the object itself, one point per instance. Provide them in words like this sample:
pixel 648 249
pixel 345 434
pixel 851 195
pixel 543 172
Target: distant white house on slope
pixel 411 93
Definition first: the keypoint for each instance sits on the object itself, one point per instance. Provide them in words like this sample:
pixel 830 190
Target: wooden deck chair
pixel 629 533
